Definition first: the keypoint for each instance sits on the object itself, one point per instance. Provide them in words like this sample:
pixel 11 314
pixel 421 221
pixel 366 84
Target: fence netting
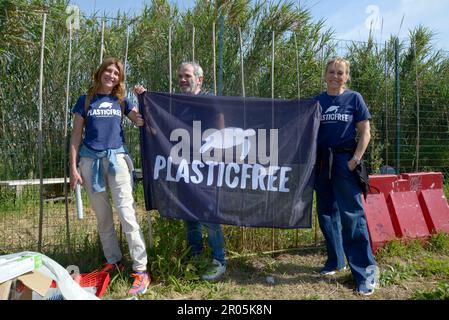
pixel 409 137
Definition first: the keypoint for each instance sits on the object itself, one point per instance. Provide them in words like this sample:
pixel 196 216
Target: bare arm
pixel 220 121
pixel 364 129
pixel 75 141
pixel 138 89
pixel 134 114
pixel 136 117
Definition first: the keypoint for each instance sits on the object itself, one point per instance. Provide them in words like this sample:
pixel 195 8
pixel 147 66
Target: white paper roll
pixel 79 202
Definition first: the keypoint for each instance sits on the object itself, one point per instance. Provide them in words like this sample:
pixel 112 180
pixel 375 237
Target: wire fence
pixel 406 88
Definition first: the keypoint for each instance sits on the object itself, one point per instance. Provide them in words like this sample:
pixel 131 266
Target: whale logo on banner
pixel 229 137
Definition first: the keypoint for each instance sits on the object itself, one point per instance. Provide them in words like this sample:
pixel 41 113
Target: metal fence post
pixel 66 173
pixel 193 43
pixel 417 110
pixel 242 75
pixel 398 105
pixel 385 127
pixel 41 169
pixel 102 41
pixel 214 58
pixel 273 230
pixel 220 56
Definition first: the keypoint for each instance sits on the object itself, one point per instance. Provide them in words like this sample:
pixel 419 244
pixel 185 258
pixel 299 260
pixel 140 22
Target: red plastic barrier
pixel 416 181
pixel 415 204
pixel 406 215
pixel 401 185
pixel 384 183
pixel 435 209
pixel 380 227
pixel 424 180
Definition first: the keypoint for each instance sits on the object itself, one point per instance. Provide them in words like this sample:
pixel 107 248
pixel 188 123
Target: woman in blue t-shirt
pixel 103 161
pixel 339 204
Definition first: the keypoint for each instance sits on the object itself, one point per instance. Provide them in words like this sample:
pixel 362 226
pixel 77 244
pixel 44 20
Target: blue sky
pixel 350 19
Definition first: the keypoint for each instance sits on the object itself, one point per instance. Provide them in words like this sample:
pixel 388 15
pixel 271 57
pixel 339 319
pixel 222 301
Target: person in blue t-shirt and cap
pixel 339 204
pixel 190 80
pixel 104 162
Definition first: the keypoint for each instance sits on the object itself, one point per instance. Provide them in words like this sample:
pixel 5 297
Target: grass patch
pixel 438 243
pixel 400 248
pixel 409 269
pixel 440 293
pixel 434 267
pixel 118 287
pixel 415 260
pixel 87 254
pixel 397 274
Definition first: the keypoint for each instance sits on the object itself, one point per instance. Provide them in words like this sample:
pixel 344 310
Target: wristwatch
pixel 357 160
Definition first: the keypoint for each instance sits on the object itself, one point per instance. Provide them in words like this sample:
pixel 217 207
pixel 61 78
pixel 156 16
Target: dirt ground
pixel 294 276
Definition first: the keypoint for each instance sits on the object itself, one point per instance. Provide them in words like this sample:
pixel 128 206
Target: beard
pixel 191 88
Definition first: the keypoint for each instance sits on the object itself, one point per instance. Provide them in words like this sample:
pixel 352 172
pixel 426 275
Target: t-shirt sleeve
pixel 128 106
pixel 79 106
pixel 362 113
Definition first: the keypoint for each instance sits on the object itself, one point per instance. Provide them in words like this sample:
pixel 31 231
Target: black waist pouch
pixel 361 173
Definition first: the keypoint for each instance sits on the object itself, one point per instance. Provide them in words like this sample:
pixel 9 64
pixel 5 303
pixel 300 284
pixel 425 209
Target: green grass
pixel 440 293
pixel 87 254
pixel 403 261
pixel 409 270
pixel 438 243
pixel 175 275
pixel 397 274
pixel 433 267
pixel 446 190
pixel 400 248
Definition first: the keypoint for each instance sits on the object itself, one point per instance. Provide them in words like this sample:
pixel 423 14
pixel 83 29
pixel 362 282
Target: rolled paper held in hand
pixel 79 201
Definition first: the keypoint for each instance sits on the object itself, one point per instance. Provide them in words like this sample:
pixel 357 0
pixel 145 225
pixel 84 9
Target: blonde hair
pixel 339 60
pixel 118 91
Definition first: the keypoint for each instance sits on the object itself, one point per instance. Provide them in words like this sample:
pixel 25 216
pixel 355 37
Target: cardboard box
pixel 30 286
pixel 36 281
pixel 5 289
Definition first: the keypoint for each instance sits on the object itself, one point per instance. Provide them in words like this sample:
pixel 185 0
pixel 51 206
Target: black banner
pixel 229 160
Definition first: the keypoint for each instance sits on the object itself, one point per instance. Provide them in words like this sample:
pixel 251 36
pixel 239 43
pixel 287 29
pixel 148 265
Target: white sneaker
pixel 214 272
pixel 367 289
pixel 328 272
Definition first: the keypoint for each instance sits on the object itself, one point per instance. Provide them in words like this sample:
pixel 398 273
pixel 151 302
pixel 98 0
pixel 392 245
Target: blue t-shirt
pixel 104 117
pixel 339 115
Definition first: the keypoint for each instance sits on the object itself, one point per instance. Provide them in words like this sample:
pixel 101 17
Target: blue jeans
pixel 215 239
pixel 342 219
